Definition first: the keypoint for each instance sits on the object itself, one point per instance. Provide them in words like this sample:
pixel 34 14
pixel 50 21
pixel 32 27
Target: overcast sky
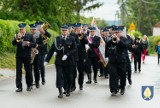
pixel 107 11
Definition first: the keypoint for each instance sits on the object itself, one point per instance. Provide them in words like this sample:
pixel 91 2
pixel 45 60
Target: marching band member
pixel 94 42
pixel 45 35
pixel 64 48
pixel 36 52
pixel 117 62
pixel 82 56
pixel 74 34
pixel 24 42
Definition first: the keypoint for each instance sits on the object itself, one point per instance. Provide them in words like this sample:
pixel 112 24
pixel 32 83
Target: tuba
pixel 45 26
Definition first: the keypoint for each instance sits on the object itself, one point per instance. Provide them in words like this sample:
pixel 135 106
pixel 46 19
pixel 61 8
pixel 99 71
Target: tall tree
pixel 144 13
pixel 82 5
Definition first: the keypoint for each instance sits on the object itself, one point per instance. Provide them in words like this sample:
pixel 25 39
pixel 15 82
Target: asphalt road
pixel 93 95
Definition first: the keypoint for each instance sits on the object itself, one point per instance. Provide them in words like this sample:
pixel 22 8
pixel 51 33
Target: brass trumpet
pixel 80 36
pixel 19 37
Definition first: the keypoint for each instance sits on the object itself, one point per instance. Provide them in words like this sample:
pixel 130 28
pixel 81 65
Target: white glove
pixel 87 46
pixel 54 54
pixel 106 59
pixel 64 57
pixel 45 63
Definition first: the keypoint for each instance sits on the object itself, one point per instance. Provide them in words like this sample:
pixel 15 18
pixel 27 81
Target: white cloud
pixel 107 11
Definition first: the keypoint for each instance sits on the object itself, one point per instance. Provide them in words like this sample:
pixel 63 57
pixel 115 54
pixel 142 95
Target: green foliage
pixel 153 42
pixel 145 15
pixel 56 12
pixel 8 28
pixel 135 33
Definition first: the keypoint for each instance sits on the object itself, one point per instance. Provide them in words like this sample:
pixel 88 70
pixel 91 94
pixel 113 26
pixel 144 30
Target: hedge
pixel 8 28
pixel 153 42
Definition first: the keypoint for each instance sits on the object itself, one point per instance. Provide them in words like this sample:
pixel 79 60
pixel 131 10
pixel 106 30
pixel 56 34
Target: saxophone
pixel 34 51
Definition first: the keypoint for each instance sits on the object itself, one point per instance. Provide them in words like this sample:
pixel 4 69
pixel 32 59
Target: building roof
pixel 157 25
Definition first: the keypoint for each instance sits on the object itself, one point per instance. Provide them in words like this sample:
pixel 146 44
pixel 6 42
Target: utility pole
pixel 122 12
pixel 139 15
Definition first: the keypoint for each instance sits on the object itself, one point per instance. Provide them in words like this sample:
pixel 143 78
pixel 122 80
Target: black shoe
pixel 101 75
pixel 95 81
pixel 64 92
pixel 43 81
pixel 19 90
pixel 37 85
pixel 60 95
pixel 106 77
pixel 73 89
pixel 139 70
pixel 29 88
pixel 81 87
pixel 67 94
pixel 122 91
pixel 88 82
pixel 113 94
pixel 130 82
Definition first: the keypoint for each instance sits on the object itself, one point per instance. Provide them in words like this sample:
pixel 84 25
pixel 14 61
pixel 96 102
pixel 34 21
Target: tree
pixel 57 12
pixel 143 13
pixel 81 5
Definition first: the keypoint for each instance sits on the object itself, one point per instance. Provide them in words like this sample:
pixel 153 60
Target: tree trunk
pixel 139 14
pixel 149 18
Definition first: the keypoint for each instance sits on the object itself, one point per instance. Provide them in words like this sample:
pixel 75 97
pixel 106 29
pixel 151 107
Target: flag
pixel 102 43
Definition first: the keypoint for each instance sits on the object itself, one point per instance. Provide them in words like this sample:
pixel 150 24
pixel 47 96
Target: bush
pixel 153 41
pixel 135 34
pixel 8 28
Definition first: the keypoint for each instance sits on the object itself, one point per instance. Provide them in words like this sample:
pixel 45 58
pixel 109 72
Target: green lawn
pixel 7 60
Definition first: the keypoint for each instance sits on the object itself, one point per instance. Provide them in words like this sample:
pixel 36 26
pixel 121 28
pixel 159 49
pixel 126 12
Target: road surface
pixel 93 95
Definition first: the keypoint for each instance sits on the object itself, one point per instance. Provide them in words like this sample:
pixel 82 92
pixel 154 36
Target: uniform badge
pixel 147 92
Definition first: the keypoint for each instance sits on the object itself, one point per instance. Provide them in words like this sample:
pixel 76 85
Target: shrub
pixel 8 28
pixel 153 41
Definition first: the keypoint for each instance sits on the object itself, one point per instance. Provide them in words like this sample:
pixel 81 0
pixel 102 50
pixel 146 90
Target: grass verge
pixel 8 60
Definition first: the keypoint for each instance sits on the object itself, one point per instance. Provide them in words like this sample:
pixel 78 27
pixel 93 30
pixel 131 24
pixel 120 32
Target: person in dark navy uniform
pixel 45 35
pixel 63 48
pixel 94 42
pixel 74 34
pixel 82 55
pixel 117 62
pixel 85 29
pixel 24 42
pixel 129 43
pixel 36 53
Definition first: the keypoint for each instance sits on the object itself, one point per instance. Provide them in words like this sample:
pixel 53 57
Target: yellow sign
pixel 132 26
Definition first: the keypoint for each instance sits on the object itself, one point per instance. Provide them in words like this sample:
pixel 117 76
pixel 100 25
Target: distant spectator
pixel 137 50
pixel 144 43
pixel 158 51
